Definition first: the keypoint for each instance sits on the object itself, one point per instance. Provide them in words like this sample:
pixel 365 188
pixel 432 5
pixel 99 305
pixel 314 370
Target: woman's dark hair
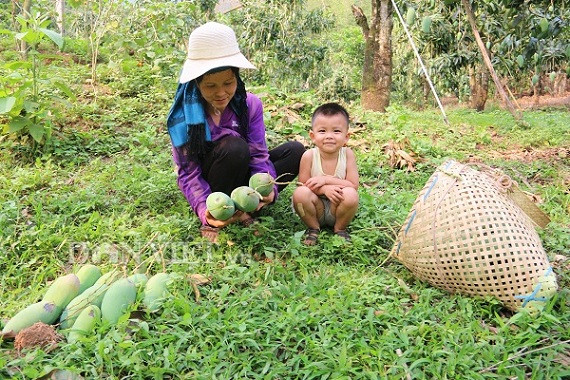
pixel 197 146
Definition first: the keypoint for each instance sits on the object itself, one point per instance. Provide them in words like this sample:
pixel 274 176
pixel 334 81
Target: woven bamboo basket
pixel 467 233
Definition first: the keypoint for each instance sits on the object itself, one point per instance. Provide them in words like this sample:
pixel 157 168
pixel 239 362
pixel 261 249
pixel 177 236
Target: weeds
pixel 106 193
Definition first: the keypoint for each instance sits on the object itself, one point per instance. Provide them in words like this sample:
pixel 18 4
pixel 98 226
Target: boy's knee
pixel 302 194
pixel 350 196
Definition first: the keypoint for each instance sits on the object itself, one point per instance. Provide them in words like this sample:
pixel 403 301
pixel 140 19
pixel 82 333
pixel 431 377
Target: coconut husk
pixel 39 335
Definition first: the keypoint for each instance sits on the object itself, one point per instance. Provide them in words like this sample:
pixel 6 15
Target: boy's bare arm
pixel 327 180
pixel 352 169
pixel 305 166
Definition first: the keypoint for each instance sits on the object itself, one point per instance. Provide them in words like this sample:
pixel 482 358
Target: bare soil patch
pixel 521 102
pixel 533 102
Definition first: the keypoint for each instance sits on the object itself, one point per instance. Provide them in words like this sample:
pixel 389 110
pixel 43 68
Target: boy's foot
pixel 311 235
pixel 210 233
pixel 343 234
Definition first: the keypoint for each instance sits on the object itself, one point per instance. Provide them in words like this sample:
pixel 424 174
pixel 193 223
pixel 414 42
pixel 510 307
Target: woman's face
pixel 218 89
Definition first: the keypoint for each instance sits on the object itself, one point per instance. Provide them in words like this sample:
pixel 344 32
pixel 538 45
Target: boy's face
pixel 329 132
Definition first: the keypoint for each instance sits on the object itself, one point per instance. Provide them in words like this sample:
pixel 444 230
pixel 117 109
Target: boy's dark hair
pixel 330 109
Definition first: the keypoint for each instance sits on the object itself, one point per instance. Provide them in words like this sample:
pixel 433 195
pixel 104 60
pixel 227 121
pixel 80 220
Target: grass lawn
pixel 274 309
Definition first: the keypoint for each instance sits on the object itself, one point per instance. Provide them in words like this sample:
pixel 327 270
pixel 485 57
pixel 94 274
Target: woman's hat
pixel 210 46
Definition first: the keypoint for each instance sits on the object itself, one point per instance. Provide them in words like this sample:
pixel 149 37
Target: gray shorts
pixel 327 218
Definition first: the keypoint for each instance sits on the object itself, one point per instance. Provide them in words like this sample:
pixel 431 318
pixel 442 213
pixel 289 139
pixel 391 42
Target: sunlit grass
pixel 274 308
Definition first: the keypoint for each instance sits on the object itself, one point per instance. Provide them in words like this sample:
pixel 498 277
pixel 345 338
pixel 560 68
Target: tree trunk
pixel 25 12
pixel 60 10
pixel 14 12
pixel 479 84
pixel 377 70
pixel 537 90
pixel 487 60
pixel 427 90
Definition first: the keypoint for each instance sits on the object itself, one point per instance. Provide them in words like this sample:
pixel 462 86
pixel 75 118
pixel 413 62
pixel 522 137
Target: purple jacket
pixel 190 180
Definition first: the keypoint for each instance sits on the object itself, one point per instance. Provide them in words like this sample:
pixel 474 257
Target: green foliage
pixel 104 190
pixel 154 35
pixel 523 38
pixel 27 94
pixel 282 37
pixel 274 307
pixel 342 75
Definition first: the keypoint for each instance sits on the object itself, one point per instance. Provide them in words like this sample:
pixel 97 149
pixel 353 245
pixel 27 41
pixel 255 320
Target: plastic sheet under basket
pixel 465 234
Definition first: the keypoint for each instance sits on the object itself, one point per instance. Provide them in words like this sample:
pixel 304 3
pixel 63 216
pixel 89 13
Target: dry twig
pixel 520 354
pixel 408 376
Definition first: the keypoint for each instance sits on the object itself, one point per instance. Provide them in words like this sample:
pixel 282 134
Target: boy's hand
pixel 315 183
pixel 334 194
pixel 222 223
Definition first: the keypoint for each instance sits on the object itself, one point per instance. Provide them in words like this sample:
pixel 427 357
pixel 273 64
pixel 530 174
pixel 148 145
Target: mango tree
pixel 377 70
pixel 516 36
pixel 282 39
pixel 537 50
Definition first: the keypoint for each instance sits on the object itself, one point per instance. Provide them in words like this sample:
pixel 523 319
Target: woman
pixel 217 129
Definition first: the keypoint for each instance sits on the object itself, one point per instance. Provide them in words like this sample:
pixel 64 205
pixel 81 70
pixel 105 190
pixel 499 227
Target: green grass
pixel 341 9
pixel 105 192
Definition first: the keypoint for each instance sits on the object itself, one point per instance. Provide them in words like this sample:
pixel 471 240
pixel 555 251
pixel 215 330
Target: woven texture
pixel 465 234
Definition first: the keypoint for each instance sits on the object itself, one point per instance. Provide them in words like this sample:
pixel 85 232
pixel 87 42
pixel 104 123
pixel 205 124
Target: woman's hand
pixel 266 200
pixel 222 223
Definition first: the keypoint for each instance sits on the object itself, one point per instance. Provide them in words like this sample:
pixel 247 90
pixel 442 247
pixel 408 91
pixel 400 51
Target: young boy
pixel 328 196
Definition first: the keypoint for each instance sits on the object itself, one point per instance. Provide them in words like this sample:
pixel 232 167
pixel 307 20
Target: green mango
pixel 92 296
pixel 88 274
pixel 155 291
pixel 544 24
pixel 426 24
pixel 410 18
pixel 63 290
pixel 245 198
pixel 84 323
pixel 43 311
pixel 552 76
pixel 121 295
pixel 220 205
pixel 263 183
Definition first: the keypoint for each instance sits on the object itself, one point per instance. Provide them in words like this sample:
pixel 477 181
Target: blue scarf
pixel 186 112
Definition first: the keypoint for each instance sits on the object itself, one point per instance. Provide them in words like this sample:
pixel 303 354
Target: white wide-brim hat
pixel 210 46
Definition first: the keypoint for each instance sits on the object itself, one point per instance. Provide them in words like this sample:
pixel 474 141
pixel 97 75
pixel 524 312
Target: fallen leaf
pixel 199 279
pixel 563 359
pixel 492 329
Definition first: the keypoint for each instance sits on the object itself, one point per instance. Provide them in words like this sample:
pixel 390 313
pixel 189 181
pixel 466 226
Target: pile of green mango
pixel 243 198
pixel 77 302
